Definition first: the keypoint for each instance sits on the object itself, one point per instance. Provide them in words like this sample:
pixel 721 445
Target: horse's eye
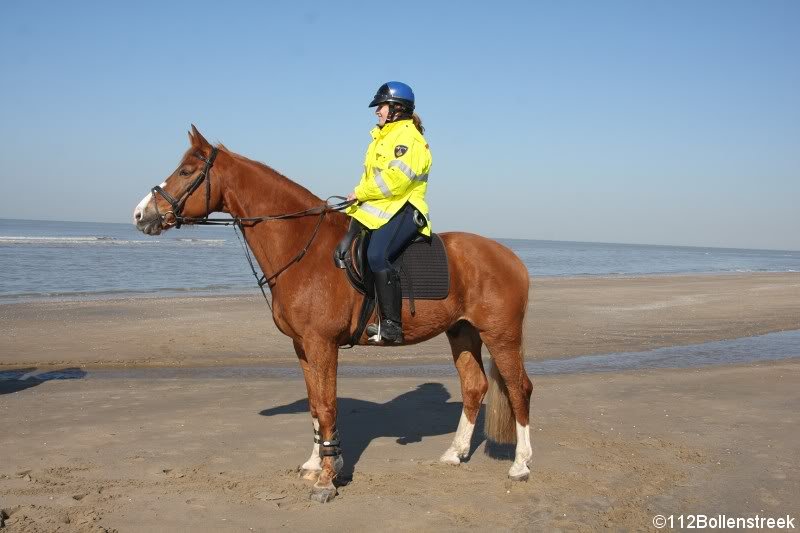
pixel 184 172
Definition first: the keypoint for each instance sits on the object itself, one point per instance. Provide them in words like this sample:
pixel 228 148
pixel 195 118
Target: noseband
pixel 175 215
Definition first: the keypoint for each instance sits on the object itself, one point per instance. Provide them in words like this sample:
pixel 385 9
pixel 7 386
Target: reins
pixel 175 216
pixel 239 224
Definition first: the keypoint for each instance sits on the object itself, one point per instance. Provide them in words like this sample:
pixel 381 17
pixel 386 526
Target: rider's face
pixel 382 111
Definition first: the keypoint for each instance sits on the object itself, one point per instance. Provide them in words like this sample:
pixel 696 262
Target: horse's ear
pixel 198 140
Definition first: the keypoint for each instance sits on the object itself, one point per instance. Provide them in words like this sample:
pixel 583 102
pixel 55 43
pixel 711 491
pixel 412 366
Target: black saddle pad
pixel 424 270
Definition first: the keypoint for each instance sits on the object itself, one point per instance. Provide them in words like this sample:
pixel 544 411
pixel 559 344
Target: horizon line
pixel 489 237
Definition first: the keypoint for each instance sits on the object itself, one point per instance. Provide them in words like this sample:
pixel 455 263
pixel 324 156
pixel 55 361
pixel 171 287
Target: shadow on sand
pixel 422 412
pixel 16 380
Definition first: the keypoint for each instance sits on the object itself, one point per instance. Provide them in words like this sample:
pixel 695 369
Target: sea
pixel 89 260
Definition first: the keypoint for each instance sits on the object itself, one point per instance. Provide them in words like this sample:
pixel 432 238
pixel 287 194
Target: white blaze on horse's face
pixel 138 212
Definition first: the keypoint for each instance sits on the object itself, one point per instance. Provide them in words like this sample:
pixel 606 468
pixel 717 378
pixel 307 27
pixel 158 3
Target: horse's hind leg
pixel 466 345
pixel 505 346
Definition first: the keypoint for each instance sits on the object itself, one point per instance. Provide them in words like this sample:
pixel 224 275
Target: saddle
pixel 422 265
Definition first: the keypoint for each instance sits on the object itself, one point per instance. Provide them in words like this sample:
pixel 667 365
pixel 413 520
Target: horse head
pixel 186 194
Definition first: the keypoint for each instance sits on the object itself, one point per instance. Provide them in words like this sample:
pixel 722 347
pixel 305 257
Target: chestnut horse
pixel 315 305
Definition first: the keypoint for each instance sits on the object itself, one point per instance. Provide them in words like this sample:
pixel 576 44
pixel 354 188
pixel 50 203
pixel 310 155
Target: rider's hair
pixel 398 111
pixel 418 123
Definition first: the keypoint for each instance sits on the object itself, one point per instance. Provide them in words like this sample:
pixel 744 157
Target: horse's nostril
pixel 138 215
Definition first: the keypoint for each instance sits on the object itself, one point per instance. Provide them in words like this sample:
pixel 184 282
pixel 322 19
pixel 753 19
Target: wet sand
pixel 611 450
pixel 566 317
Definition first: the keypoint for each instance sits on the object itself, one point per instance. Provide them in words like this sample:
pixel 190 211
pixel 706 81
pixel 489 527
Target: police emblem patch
pixel 399 150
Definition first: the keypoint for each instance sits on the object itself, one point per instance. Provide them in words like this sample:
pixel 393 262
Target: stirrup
pixel 375 334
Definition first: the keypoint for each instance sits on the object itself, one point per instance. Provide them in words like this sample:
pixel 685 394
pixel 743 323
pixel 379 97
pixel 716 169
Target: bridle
pixel 175 217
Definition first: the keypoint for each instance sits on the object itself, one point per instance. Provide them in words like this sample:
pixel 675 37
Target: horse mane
pixel 263 167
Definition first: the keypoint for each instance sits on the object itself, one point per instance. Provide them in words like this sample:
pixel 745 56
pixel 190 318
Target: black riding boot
pixel 341 256
pixel 390 301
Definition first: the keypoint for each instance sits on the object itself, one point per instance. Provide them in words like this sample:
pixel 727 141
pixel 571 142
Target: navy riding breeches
pixel 388 241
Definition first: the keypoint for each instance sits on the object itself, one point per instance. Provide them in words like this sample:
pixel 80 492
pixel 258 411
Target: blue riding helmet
pixel 394 91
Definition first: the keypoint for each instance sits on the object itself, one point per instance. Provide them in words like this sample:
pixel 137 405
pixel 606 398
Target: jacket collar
pixel 378 132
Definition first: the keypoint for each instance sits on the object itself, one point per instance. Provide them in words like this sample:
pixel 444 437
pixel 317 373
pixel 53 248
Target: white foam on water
pixel 24 239
pixel 102 241
pixel 202 241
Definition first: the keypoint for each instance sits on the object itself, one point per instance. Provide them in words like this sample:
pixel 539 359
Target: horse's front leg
pixel 322 360
pixel 310 469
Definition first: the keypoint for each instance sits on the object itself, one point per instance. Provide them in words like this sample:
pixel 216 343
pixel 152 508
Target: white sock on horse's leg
pixel 524 453
pixel 314 462
pixel 459 449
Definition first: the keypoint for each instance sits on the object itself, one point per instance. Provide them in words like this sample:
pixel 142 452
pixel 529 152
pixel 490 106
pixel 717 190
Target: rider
pixel 390 198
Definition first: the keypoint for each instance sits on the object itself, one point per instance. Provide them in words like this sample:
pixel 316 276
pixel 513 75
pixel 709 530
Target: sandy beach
pixel 611 450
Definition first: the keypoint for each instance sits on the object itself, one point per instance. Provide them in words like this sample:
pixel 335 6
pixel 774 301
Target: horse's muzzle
pixel 150 228
pixel 147 221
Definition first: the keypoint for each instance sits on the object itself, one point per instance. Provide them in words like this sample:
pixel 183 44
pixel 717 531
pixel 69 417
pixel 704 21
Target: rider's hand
pixel 351 197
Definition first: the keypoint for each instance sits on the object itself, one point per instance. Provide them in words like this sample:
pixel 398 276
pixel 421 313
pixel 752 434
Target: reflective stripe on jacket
pixel 395 172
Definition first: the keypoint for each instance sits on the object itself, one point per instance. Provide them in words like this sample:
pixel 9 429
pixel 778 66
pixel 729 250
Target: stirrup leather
pixel 375 338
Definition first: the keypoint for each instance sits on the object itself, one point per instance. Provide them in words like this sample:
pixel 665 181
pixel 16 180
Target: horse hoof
pixel 450 458
pixel 323 495
pixel 310 475
pixel 519 477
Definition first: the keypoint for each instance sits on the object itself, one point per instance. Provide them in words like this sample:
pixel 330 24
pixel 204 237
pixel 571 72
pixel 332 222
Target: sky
pixel 658 122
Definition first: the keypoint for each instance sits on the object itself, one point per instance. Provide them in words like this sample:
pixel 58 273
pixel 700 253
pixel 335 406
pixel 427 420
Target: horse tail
pixel 499 424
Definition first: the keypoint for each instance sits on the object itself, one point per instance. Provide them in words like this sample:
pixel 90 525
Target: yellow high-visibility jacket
pixel 395 172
